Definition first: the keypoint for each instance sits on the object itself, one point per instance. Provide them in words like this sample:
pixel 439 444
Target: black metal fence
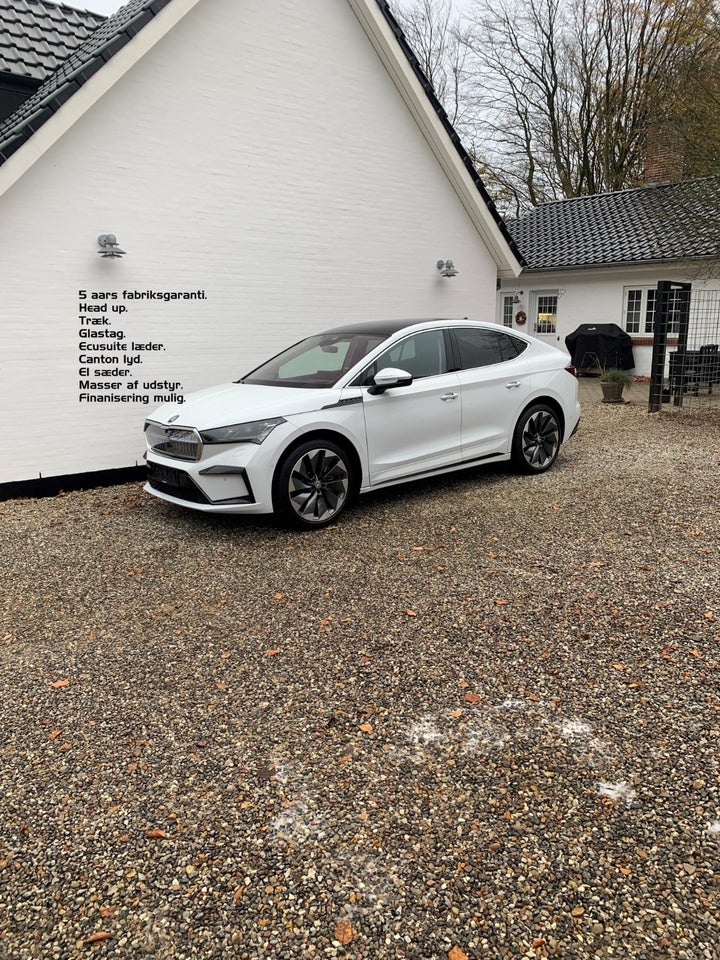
pixel 685 365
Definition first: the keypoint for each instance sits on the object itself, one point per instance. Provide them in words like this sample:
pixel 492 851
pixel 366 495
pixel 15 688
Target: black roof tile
pixel 110 36
pixel 36 36
pixel 654 223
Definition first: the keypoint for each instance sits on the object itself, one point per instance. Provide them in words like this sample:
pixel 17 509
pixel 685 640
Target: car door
pixel 416 428
pixel 495 383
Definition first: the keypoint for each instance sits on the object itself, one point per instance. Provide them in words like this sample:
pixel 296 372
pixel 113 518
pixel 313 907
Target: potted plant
pixel 613 380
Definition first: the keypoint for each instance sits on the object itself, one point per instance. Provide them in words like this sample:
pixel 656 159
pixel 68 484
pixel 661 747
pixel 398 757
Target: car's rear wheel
pixel 537 439
pixel 313 484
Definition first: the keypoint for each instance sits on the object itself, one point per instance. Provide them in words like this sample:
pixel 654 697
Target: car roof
pixel 387 328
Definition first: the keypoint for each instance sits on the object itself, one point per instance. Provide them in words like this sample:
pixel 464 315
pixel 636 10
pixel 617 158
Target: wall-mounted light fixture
pixel 446 268
pixel 109 246
pixel 518 294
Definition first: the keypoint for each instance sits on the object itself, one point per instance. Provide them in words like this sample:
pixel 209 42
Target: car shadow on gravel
pixel 412 496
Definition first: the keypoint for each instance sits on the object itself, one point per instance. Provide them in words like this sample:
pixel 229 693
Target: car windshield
pixel 317 362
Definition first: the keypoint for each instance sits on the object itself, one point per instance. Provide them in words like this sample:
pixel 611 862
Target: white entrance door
pixel 543 316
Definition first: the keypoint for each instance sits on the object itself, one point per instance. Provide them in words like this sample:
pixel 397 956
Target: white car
pixel 359 408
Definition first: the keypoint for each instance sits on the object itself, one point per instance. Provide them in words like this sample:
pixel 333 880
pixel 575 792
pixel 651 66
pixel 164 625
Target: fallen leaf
pixel 464 684
pixel 53 735
pixel 411 613
pixel 221 685
pixel 366 727
pixel 156 834
pixel 344 932
pixel 471 697
pixel 709 615
pixel 456 713
pixel 225 656
pixel 60 683
pixel 500 603
pixel 457 954
pixel 271 653
pixel 107 912
pixel 100 937
pixel 278 596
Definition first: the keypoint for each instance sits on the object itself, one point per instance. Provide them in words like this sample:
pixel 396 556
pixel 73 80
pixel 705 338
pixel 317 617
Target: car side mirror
pixel 387 378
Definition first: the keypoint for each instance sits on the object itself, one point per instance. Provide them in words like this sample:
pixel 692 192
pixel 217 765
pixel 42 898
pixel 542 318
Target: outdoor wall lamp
pixel 518 294
pixel 446 268
pixel 109 246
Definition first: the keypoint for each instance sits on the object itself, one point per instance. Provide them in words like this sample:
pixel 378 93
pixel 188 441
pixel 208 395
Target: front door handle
pixel 512 385
pixel 449 396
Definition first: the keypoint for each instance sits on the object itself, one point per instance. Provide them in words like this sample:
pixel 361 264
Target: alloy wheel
pixel 318 485
pixel 540 439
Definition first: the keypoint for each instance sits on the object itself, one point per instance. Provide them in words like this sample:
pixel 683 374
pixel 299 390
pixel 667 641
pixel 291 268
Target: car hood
pixel 241 403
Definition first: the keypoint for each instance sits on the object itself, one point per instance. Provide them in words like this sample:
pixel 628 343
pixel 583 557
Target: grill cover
pixel 603 343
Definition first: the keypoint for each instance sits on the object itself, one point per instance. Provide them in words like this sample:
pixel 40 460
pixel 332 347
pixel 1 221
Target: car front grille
pixel 180 443
pixel 174 483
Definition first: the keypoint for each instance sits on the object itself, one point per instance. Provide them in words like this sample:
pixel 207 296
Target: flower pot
pixel 612 392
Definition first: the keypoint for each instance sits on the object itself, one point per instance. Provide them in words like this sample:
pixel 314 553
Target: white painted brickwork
pixel 261 153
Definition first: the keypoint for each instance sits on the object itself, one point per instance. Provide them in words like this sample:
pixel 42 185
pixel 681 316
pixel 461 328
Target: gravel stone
pixel 478 717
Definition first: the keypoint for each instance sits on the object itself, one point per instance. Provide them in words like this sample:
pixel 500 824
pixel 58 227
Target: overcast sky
pixel 110 6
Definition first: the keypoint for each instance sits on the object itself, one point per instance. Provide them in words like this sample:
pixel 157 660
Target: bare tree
pixel 437 38
pixel 570 93
pixel 557 99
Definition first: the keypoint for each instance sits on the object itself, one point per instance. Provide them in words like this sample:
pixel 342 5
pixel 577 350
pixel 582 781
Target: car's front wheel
pixel 313 484
pixel 537 439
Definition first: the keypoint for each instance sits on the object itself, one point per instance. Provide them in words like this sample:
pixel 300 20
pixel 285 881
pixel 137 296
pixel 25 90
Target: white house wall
pixel 258 153
pixel 597 296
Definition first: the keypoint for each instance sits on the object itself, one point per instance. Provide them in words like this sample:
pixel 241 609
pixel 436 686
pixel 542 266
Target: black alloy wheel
pixel 537 438
pixel 313 484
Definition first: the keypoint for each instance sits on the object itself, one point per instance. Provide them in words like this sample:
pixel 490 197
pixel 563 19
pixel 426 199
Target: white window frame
pixel 639 320
pixel 643 317
pixel 507 307
pixel 539 298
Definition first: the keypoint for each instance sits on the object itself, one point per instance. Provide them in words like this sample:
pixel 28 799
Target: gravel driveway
pixel 477 718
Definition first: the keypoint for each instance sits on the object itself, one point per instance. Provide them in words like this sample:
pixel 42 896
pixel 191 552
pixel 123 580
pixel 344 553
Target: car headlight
pixel 254 432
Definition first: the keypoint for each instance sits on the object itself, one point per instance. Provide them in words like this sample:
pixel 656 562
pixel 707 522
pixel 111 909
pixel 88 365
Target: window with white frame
pixel 507 311
pixel 640 310
pixel 546 313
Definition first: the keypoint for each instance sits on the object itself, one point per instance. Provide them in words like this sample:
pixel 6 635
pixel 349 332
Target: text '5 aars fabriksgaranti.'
pixel 112 357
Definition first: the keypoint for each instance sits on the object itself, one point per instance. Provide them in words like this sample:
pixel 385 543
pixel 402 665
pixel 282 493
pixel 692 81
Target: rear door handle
pixel 512 385
pixel 449 396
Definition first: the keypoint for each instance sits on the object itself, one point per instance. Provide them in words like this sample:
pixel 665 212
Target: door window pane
pixel 546 313
pixel 422 355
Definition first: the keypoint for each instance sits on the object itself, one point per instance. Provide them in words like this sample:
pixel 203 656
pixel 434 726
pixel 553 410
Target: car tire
pixel 313 484
pixel 537 439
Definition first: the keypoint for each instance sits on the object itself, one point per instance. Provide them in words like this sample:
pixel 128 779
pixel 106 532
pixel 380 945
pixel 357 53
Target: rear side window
pixel 480 348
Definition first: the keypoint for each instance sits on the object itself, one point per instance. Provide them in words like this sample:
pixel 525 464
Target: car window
pixel 421 355
pixel 480 348
pixel 317 362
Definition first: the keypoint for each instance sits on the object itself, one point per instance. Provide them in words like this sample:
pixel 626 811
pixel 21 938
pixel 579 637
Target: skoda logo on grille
pixel 173 419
